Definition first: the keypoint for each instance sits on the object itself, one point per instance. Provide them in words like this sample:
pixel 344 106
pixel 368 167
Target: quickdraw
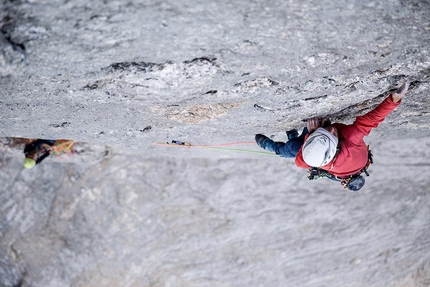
pixel 353 182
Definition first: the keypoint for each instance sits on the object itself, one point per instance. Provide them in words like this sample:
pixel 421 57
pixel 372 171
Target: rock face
pixel 103 72
pixel 131 73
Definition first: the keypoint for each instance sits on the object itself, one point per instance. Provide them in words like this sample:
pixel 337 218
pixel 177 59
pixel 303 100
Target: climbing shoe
pixel 292 134
pixel 261 140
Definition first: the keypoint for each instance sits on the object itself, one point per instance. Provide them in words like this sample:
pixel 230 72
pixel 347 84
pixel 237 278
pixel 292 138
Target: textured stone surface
pixel 131 213
pixel 102 72
pixel 126 219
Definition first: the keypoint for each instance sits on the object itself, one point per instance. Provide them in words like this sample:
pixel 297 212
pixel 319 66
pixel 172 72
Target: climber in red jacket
pixel 336 151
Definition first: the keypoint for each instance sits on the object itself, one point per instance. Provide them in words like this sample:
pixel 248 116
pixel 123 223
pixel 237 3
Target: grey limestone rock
pixel 119 76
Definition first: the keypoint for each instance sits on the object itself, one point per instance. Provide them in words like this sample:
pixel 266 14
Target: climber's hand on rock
pixel 312 124
pixel 400 92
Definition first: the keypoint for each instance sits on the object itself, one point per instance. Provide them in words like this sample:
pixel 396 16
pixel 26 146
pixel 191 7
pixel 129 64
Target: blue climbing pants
pixel 288 149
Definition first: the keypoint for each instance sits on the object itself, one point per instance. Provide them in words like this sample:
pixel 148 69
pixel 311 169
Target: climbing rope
pixel 62 147
pixel 222 146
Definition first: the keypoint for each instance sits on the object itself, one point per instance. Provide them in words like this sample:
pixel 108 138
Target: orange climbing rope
pixel 221 146
pixel 63 147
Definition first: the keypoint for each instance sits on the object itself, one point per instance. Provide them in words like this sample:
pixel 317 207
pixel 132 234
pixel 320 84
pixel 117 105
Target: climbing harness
pixel 352 182
pixel 222 146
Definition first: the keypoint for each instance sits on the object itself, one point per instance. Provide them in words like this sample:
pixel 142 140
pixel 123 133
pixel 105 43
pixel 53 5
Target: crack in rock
pixel 138 66
pixel 11 53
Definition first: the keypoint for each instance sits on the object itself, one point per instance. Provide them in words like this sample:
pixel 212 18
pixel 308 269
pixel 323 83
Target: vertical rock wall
pixel 130 73
pixel 104 72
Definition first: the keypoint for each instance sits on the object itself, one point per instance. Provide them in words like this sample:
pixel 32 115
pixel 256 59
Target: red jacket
pixel 352 156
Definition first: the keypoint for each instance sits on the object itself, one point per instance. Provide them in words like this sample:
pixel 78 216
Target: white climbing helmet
pixel 319 148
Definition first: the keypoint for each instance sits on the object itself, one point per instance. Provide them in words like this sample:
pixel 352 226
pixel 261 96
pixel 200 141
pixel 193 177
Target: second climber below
pixel 336 151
